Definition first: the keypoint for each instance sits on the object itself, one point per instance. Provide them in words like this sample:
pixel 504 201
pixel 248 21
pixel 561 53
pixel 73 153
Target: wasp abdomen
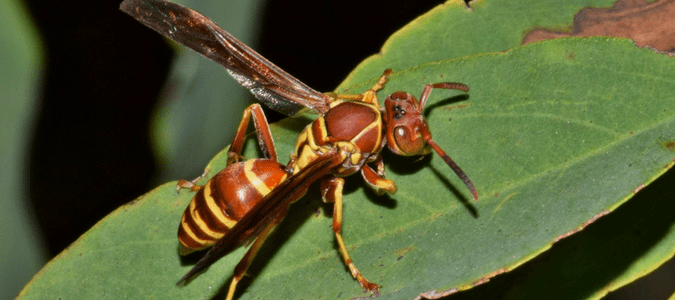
pixel 226 198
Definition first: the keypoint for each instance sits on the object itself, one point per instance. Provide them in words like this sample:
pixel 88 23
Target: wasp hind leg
pixel 263 133
pixel 245 262
pixel 265 141
pixel 192 184
pixel 332 192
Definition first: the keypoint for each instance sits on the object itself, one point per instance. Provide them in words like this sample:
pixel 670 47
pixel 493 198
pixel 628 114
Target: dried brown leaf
pixel 648 24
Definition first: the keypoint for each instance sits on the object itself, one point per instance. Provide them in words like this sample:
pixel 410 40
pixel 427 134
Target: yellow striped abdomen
pixel 224 199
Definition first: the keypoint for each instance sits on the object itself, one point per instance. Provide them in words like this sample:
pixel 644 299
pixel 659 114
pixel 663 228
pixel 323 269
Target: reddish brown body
pixel 355 126
pixel 348 120
pixel 224 200
pixel 243 202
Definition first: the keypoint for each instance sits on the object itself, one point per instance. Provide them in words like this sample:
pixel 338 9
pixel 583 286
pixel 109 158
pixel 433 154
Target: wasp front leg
pixel 369 96
pixel 377 182
pixel 376 179
pixel 331 188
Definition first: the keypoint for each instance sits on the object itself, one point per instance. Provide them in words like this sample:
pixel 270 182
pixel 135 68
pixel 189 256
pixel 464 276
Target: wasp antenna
pixel 455 168
pixel 453 86
pixel 443 85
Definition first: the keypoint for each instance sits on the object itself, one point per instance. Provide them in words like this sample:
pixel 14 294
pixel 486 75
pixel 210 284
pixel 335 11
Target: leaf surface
pixel 553 134
pixel 451 31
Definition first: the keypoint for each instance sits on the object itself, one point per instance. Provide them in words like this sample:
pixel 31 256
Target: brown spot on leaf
pixel 487 277
pixel 670 146
pixel 403 251
pixel 637 189
pixel 575 230
pixel 648 24
pixel 435 294
pixel 594 218
pixel 566 234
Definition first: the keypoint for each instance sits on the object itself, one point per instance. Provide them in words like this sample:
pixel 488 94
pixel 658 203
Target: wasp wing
pixel 267 210
pixel 269 83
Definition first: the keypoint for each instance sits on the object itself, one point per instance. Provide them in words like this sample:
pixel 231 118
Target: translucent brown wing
pixel 267 210
pixel 269 83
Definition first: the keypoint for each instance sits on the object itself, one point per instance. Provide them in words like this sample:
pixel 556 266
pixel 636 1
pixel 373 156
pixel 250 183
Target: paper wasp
pixel 247 199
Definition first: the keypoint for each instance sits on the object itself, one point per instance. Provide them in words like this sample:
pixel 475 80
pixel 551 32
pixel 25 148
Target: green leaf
pixel 21 55
pixel 553 134
pixel 451 31
pixel 630 242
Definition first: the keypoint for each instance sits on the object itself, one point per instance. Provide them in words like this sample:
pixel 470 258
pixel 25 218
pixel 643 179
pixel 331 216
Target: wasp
pixel 243 202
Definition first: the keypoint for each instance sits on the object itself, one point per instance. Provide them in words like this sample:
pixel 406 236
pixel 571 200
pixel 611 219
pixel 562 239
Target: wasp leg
pixel 443 85
pixel 370 96
pixel 192 184
pixel 245 262
pixel 332 192
pixel 262 131
pixel 383 79
pixel 234 153
pixel 377 182
pixel 380 165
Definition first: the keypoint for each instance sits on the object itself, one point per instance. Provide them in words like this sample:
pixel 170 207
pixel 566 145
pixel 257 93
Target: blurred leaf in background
pixel 21 250
pixel 200 102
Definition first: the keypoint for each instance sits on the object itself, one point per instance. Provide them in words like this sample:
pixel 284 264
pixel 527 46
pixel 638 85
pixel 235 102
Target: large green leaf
pixel 451 31
pixel 554 134
pixel 628 243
